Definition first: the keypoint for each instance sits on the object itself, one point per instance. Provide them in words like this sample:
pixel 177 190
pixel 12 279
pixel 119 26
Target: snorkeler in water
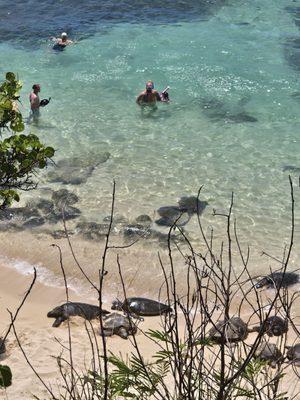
pixel 62 42
pixel 149 96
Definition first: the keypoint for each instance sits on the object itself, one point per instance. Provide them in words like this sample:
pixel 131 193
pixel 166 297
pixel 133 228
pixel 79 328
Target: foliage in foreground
pixel 191 363
pixel 5 376
pixel 21 156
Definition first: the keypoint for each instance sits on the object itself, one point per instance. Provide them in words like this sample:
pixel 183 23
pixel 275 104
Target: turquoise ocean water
pixel 232 124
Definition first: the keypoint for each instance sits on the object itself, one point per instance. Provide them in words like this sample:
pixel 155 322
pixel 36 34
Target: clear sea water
pixel 232 125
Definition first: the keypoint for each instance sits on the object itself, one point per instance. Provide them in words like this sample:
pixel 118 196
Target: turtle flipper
pixel 107 332
pixel 122 332
pixel 58 321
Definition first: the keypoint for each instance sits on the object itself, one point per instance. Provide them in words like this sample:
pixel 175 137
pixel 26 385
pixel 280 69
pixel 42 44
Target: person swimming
pixel 62 42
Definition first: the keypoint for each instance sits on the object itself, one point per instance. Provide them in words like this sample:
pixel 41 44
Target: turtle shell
pixel 115 321
pixel 268 352
pixel 232 330
pixel 275 326
pixel 293 354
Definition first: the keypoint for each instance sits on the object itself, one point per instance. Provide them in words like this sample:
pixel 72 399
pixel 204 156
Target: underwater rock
pixel 118 219
pixel 292 52
pixel 67 213
pixel 291 168
pixel 19 213
pixel 44 205
pixel 143 219
pixel 136 231
pixel 239 118
pixel 163 238
pixel 217 110
pixel 295 11
pixel 92 230
pixel 77 170
pixel 63 197
pixel 34 222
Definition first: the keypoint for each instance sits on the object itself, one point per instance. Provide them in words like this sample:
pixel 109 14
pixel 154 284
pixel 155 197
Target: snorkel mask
pixel 149 86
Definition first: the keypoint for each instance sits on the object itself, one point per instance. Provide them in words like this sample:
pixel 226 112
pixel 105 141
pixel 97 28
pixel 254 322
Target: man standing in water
pixel 149 96
pixel 35 102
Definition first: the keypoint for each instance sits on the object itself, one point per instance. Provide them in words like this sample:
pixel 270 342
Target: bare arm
pixel 139 99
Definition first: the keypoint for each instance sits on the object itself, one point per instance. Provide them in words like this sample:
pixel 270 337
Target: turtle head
pixel 117 305
pixel 55 313
pixel 123 333
pixel 266 281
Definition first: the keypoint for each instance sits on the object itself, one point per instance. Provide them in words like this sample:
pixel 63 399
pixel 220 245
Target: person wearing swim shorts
pixel 149 96
pixel 35 101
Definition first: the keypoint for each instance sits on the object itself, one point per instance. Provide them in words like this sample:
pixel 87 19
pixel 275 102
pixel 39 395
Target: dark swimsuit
pixel 59 47
pixel 146 98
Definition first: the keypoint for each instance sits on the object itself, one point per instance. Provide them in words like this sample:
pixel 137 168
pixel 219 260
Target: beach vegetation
pixel 200 354
pixel 5 376
pixel 21 155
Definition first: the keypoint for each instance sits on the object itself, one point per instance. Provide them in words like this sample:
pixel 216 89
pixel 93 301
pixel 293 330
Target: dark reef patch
pixel 83 19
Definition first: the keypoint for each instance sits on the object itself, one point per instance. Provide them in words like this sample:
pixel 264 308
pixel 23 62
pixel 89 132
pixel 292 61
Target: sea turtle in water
pixel 232 330
pixel 141 307
pixel 272 326
pixel 269 352
pixel 172 215
pixel 118 324
pixel 293 354
pixel 276 279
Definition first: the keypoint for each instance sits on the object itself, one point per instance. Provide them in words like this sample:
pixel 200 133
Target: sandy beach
pixel 43 343
pixel 40 339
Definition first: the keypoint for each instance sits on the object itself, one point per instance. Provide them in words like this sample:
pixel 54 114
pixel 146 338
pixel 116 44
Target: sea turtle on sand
pixel 118 324
pixel 269 352
pixel 63 312
pixel 272 326
pixel 141 307
pixel 232 330
pixel 293 354
pixel 276 279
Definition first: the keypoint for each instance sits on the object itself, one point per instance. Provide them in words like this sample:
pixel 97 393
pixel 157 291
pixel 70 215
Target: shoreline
pixel 41 341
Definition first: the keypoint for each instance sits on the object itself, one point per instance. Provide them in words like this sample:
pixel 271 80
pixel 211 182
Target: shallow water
pixel 232 125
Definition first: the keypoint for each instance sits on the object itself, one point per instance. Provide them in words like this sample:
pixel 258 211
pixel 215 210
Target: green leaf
pixel 5 376
pixel 49 152
pixel 10 76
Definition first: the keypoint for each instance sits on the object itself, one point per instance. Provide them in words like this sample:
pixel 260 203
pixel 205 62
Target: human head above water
pixel 149 85
pixel 36 87
pixel 64 36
